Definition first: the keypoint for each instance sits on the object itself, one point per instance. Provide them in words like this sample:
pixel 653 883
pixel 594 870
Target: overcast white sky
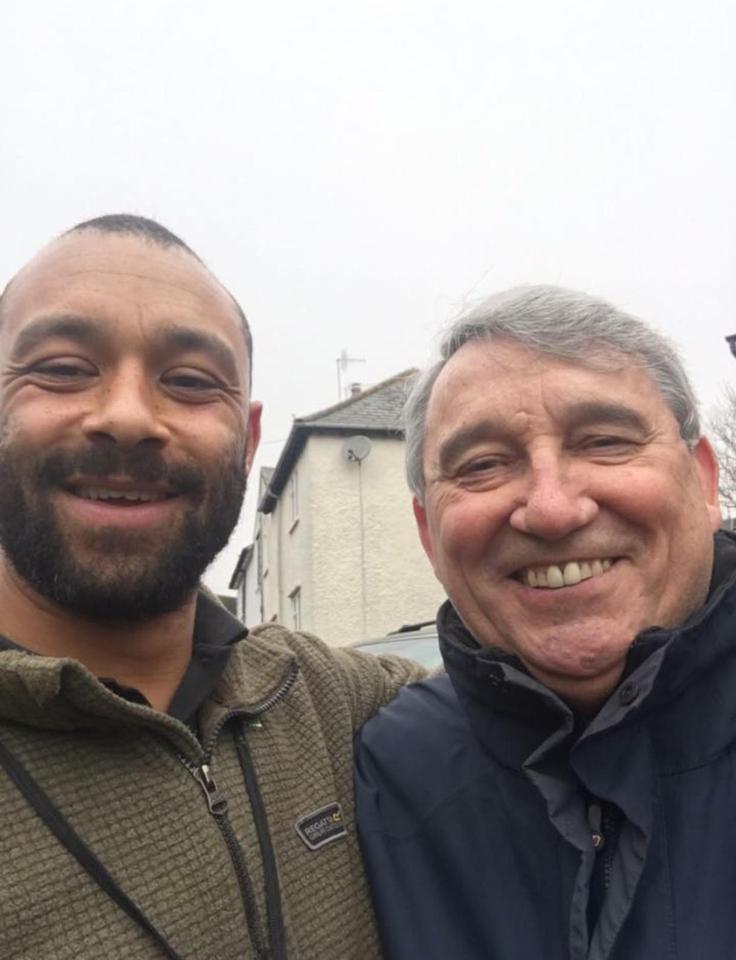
pixel 355 171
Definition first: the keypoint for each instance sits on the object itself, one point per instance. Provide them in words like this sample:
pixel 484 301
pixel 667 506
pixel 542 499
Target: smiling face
pixel 563 513
pixel 127 431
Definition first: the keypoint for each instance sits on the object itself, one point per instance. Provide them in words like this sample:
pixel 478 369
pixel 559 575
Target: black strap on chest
pixel 276 932
pixel 70 839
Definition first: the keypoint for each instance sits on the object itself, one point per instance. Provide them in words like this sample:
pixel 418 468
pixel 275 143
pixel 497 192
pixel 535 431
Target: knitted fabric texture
pixel 121 775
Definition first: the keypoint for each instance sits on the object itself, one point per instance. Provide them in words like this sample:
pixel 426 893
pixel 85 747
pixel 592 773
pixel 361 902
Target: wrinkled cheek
pixel 463 534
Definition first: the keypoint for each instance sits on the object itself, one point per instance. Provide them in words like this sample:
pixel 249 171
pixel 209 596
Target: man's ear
pixel 254 433
pixel 707 466
pixel 420 515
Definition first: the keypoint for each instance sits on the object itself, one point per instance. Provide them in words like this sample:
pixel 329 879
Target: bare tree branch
pixel 722 430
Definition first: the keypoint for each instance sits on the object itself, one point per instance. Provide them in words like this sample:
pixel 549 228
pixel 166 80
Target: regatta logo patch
pixel 321 827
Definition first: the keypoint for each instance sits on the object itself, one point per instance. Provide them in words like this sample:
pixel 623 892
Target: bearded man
pixel 168 785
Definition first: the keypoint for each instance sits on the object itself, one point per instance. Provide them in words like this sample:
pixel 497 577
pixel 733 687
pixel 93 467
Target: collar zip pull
pixel 595 822
pixel 216 802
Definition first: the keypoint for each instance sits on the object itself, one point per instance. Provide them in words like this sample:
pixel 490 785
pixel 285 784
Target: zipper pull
pixel 595 822
pixel 216 802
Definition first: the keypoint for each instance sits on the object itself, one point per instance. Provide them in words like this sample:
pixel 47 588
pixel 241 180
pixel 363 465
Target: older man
pixel 168 786
pixel 568 791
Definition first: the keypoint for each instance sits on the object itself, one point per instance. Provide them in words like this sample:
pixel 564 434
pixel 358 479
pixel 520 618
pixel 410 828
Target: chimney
pixel 355 389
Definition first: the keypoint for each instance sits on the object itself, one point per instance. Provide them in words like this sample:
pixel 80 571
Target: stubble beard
pixel 112 575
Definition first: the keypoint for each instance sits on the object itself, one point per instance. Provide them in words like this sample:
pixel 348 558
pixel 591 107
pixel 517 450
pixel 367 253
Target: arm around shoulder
pixel 366 680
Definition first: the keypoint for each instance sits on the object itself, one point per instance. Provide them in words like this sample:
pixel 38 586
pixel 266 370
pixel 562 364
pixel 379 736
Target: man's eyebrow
pixel 577 415
pixel 66 325
pixel 615 414
pixel 456 444
pixel 176 338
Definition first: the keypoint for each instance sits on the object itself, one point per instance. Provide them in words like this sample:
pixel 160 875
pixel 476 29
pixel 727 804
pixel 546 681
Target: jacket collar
pixel 516 714
pixel 61 694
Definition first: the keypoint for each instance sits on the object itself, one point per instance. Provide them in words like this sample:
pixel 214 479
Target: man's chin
pixel 577 655
pixel 105 552
pixel 113 571
pixel 127 596
pixel 107 577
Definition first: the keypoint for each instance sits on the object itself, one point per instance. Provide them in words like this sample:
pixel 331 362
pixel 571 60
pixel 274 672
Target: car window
pixel 424 649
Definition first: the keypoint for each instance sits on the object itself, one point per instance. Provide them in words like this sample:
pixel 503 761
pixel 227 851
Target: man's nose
pixel 126 409
pixel 554 503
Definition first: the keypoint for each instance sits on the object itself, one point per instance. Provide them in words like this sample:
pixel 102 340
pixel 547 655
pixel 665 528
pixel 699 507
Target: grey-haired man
pixel 568 790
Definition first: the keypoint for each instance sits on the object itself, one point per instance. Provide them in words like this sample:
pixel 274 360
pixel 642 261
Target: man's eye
pixel 191 381
pixel 63 370
pixel 486 463
pixel 481 465
pixel 607 442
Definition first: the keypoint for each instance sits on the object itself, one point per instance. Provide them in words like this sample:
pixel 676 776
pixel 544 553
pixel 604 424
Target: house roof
pixel 373 412
pixel 241 566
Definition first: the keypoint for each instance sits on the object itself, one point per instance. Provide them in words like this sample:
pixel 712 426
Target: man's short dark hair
pixel 147 229
pixel 137 226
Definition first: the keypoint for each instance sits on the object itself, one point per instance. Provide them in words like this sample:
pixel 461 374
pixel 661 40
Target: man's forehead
pixel 480 373
pixel 88 258
pixel 492 361
pixel 115 268
pixel 103 279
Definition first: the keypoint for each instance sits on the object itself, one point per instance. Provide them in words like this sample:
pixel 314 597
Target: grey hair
pixel 565 324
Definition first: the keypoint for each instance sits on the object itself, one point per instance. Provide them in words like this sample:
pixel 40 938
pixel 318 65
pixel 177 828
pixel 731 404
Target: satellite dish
pixel 356 449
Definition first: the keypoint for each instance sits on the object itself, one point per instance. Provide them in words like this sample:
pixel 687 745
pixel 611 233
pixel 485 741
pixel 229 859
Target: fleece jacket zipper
pixel 217 806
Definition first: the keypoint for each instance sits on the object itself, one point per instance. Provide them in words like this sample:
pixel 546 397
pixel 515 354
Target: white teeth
pixel 554 576
pixel 105 493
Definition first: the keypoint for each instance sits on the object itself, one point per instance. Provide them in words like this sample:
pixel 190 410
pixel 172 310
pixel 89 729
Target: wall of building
pixel 249 594
pixel 369 575
pixel 286 538
pixel 270 563
pixel 296 553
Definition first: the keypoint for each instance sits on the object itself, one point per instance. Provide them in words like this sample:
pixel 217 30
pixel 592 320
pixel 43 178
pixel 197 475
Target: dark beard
pixel 140 585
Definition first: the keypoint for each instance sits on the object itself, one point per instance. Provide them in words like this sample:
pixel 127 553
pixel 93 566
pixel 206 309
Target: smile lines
pixel 553 576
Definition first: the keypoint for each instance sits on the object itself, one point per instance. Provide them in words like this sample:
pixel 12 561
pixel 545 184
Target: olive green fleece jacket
pixel 124 778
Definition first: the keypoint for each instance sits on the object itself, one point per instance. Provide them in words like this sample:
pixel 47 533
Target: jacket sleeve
pixel 368 681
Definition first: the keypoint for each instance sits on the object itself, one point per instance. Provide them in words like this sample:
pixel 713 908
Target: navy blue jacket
pixel 496 826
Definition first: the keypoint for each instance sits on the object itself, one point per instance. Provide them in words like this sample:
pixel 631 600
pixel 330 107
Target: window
pixel 295 599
